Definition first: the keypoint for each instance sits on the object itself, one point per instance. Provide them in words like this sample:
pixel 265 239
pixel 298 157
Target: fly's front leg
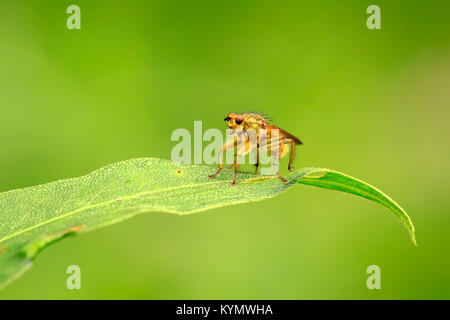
pixel 243 147
pixel 220 165
pixel 226 146
pixel 232 165
pixel 236 167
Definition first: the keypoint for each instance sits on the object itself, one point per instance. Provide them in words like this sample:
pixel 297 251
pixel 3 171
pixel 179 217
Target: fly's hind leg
pixel 220 167
pixel 291 160
pixel 282 178
pixel 275 164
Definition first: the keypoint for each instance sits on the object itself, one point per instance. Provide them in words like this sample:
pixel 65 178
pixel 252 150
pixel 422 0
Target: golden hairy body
pixel 257 133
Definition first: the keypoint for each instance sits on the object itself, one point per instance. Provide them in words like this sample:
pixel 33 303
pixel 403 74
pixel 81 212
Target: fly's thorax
pixel 252 125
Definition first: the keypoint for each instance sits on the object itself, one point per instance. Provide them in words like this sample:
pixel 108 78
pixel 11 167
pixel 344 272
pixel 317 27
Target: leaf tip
pixel 413 238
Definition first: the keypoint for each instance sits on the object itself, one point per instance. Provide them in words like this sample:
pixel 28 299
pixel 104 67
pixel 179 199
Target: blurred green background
pixel 370 103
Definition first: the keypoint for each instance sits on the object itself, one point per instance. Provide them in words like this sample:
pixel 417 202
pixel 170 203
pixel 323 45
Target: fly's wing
pixel 268 144
pixel 262 146
pixel 270 141
pixel 286 134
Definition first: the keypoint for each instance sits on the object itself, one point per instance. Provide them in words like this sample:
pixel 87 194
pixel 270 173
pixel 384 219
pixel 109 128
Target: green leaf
pixel 35 217
pixel 334 180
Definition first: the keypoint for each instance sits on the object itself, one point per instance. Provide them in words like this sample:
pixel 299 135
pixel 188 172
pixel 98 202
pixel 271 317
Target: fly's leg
pixel 282 178
pixel 242 148
pixel 256 144
pixel 292 156
pixel 231 166
pixel 236 167
pixel 225 147
pixel 220 166
pixel 257 159
pixel 275 164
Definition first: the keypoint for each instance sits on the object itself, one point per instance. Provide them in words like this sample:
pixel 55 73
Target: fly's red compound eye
pixel 239 119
